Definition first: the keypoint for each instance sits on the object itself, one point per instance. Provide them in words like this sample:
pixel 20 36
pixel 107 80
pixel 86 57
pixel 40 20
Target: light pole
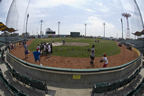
pixel 59 28
pixel 127 15
pixel 85 29
pixel 104 28
pixel 122 27
pixel 41 21
pixel 27 24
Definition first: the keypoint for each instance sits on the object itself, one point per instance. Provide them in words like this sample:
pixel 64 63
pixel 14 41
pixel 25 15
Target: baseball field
pixel 78 47
pixel 75 53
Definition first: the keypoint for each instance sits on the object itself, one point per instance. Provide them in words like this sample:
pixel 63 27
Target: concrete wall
pixel 77 78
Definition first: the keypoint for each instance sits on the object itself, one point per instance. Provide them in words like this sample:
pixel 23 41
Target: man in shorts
pixel 92 55
pixel 37 55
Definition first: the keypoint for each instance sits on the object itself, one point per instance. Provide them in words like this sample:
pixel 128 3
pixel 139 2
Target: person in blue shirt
pixel 36 56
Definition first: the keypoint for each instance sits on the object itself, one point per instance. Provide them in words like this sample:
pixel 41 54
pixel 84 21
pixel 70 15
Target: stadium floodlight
pixel 27 24
pixel 59 28
pixel 41 21
pixel 127 15
pixel 122 27
pixel 104 28
pixel 85 29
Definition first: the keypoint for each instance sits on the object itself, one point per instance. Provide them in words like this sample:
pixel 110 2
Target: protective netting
pixel 13 15
pixel 135 20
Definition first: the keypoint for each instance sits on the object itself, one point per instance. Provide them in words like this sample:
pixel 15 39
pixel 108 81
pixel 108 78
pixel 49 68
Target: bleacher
pixel 13 90
pixel 28 81
pixel 107 86
pixel 10 39
pixel 139 44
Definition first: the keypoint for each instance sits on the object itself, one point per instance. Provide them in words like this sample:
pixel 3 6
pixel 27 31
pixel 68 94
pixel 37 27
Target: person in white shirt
pixel 105 61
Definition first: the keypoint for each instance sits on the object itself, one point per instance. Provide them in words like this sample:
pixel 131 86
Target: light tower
pixel 85 29
pixel 127 15
pixel 122 27
pixel 41 21
pixel 27 24
pixel 59 28
pixel 104 28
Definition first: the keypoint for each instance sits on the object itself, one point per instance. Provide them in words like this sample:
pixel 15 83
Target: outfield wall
pixel 74 78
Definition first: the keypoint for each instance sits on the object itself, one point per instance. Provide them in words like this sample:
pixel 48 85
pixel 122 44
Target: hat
pixel 37 49
pixel 104 55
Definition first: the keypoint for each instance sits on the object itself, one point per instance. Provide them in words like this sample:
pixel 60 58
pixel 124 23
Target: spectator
pixel 37 55
pixel 105 61
pixel 51 48
pixel 26 51
pixel 63 41
pixel 92 55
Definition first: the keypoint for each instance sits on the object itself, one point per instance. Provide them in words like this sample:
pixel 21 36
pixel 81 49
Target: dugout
pixel 75 34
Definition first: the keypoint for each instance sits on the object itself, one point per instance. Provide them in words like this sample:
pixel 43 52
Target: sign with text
pixel 76 76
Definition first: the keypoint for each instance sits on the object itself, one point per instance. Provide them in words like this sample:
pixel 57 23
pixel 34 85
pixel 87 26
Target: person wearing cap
pixel 105 61
pixel 92 55
pixel 37 55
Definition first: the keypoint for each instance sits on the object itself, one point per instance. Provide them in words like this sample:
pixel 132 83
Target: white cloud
pixel 90 10
pixel 95 27
pixel 55 3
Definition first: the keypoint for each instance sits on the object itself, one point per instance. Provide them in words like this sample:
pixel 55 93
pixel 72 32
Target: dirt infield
pixel 75 62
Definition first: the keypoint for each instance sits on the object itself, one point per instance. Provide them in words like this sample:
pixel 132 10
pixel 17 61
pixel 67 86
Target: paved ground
pixel 53 91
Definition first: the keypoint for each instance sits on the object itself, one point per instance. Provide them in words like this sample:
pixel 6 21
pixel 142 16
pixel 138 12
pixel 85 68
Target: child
pixel 105 61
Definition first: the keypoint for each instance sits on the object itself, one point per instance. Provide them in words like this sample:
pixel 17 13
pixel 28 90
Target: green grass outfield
pixel 104 46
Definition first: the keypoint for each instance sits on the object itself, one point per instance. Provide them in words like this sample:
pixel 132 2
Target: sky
pixel 73 15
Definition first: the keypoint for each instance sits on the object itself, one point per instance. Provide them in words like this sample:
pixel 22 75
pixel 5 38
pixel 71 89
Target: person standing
pixel 105 59
pixel 37 55
pixel 26 51
pixel 92 55
pixel 51 48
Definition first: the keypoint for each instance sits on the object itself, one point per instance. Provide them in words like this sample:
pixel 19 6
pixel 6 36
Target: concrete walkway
pixel 53 91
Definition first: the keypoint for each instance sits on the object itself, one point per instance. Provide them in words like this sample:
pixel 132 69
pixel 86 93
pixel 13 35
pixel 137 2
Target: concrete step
pixel 54 91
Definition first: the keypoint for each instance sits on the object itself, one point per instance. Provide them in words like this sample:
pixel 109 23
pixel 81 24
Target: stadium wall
pixel 74 78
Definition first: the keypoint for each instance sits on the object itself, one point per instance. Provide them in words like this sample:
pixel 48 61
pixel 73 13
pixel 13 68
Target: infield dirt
pixel 74 62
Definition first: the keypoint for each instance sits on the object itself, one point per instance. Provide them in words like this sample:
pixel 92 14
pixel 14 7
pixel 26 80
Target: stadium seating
pixel 28 81
pixel 12 89
pixel 106 86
